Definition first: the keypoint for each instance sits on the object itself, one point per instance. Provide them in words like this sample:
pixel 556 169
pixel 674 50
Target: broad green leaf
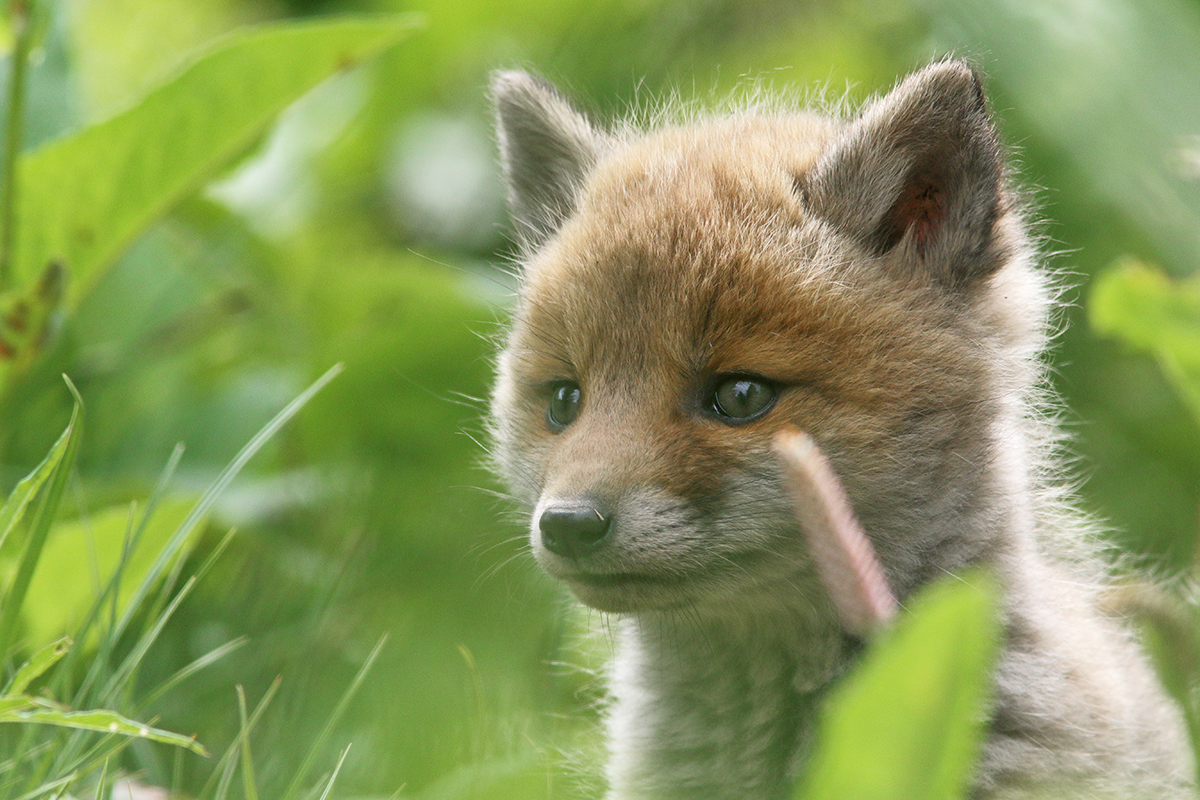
pixel 908 722
pixel 85 197
pixel 25 317
pixel 82 554
pixel 102 721
pixel 36 666
pixel 13 509
pixel 1141 305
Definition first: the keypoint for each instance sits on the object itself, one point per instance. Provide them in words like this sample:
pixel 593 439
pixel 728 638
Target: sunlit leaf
pixel 908 722
pixel 102 721
pixel 85 197
pixel 1138 303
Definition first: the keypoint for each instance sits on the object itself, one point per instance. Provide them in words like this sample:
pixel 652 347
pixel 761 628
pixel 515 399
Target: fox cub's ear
pixel 920 169
pixel 546 148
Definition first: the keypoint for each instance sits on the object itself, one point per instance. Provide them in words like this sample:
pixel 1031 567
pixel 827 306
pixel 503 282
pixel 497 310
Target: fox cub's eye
pixel 564 404
pixel 739 398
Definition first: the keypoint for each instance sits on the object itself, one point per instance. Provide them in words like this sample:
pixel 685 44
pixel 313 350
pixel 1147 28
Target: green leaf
pixel 82 553
pixel 13 509
pixel 85 197
pixel 102 721
pixel 1138 303
pixel 26 314
pixel 36 666
pixel 908 722
pixel 14 599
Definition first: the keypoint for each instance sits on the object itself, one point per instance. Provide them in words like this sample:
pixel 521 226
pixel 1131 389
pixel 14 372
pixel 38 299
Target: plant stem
pixel 21 17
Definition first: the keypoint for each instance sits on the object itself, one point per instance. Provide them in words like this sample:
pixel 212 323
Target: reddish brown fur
pixel 877 274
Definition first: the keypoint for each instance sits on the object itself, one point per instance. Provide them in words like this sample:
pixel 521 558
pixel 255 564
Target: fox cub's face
pixel 689 291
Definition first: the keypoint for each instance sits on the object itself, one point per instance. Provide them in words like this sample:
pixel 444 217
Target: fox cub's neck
pixel 687 293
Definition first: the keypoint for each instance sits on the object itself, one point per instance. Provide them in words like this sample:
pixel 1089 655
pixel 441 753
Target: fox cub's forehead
pixel 692 184
pixel 686 223
pixel 760 157
pixel 697 204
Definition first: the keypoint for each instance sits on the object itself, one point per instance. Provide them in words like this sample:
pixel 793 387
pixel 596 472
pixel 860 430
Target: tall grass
pixel 73 706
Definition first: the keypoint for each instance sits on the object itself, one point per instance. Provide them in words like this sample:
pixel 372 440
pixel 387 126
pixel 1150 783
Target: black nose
pixel 573 530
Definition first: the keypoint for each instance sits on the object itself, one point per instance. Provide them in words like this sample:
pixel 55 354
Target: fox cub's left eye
pixel 564 404
pixel 739 398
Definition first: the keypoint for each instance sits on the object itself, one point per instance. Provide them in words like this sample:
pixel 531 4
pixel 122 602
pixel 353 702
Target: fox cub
pixel 691 290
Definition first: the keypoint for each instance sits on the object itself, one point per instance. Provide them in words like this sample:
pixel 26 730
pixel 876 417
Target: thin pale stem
pixel 21 17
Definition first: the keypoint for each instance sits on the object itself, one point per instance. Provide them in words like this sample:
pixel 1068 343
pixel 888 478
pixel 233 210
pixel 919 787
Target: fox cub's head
pixel 689 290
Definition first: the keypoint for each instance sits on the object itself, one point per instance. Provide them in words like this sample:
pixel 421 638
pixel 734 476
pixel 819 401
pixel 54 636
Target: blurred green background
pixel 368 228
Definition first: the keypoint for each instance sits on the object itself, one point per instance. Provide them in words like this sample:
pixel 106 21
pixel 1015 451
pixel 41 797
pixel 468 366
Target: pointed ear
pixel 919 169
pixel 546 149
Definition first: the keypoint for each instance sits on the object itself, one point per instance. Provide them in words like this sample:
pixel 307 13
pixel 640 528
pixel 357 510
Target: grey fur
pixel 927 147
pixel 546 150
pixel 879 271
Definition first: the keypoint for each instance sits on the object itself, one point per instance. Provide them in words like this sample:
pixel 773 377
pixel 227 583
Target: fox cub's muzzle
pixel 572 530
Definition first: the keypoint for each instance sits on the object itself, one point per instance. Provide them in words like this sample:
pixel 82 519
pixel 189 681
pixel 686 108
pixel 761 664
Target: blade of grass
pixel 36 666
pixel 129 666
pixel 227 763
pixel 214 491
pixel 13 509
pixel 102 721
pixel 40 528
pixel 302 774
pixel 100 783
pixel 191 669
pixel 247 760
pixel 51 786
pixel 333 777
pixel 109 695
pixel 104 648
pixel 123 673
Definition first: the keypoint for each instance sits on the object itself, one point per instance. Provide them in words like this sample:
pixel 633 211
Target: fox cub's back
pixel 691 290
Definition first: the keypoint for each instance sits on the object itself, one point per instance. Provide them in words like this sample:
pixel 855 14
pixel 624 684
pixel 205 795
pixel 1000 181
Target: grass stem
pixel 21 17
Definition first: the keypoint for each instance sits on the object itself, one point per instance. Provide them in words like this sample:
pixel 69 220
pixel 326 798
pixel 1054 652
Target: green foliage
pixel 58 762
pixel 85 197
pixel 52 471
pixel 1140 305
pixel 82 199
pixel 16 705
pixel 361 231
pixel 1146 310
pixel 908 722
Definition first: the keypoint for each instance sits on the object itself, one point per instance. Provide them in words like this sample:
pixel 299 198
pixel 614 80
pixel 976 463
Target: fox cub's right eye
pixel 741 398
pixel 564 404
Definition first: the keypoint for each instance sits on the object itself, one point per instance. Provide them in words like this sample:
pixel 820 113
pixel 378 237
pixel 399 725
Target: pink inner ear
pixel 919 209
